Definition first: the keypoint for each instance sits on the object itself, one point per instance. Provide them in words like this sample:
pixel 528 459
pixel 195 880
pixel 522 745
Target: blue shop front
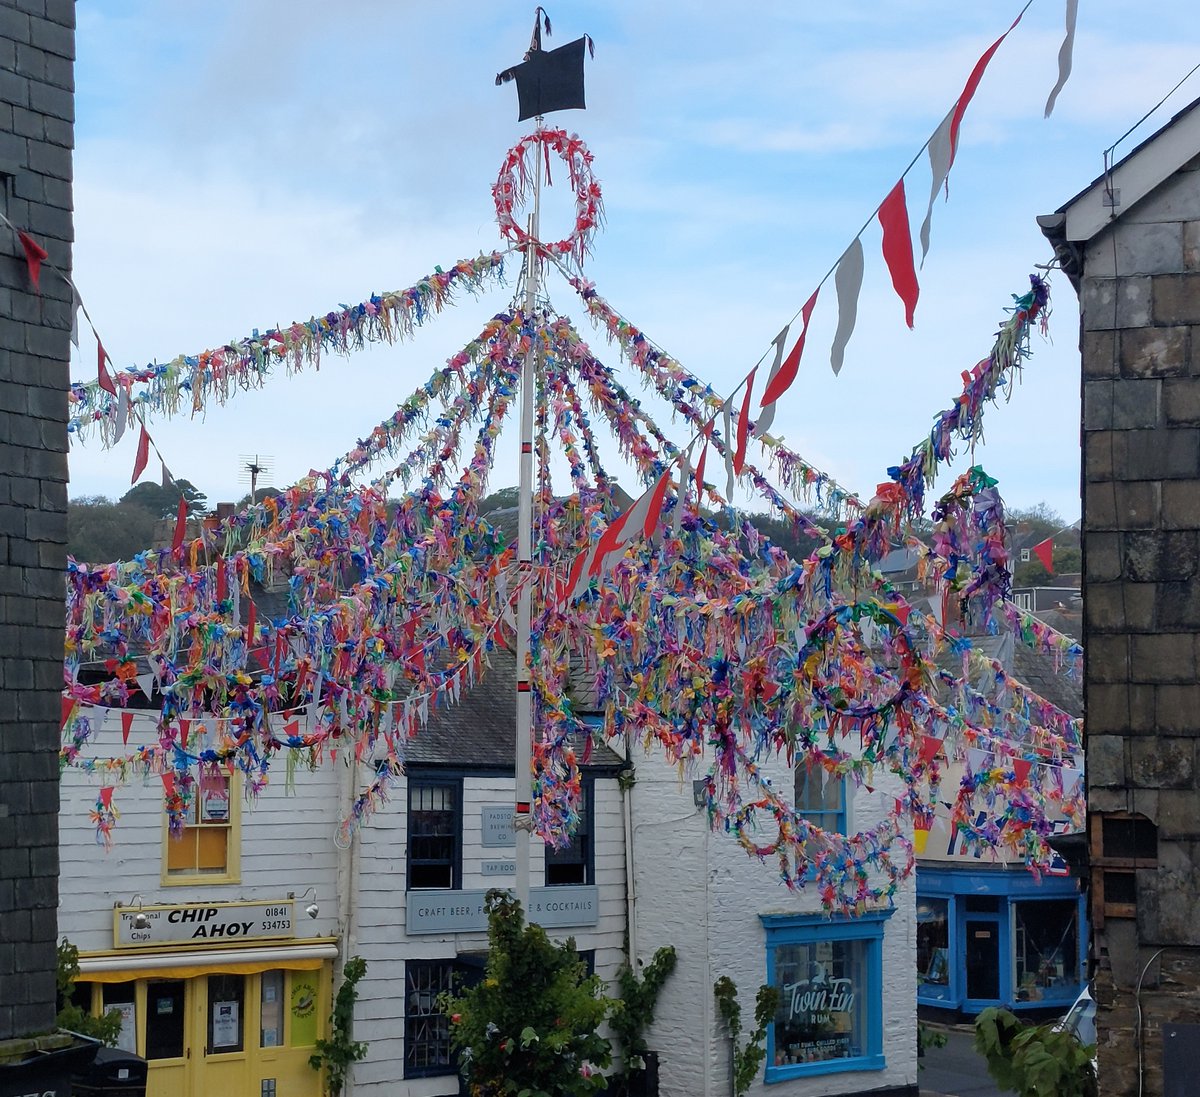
pixel 994 935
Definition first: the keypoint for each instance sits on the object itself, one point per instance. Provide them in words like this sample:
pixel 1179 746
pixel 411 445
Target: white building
pixel 729 915
pixel 222 948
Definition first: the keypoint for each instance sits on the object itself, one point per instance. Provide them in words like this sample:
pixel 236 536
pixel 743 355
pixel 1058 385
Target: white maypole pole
pixel 524 730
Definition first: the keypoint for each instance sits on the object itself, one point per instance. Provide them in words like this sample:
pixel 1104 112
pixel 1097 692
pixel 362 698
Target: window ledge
pixel 788 1071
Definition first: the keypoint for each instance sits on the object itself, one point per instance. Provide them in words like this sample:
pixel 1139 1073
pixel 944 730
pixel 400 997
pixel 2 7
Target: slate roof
pixel 479 732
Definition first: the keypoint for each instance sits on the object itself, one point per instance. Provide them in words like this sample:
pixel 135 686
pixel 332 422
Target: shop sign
pixel 498 868
pixel 497 826
pixel 443 911
pixel 819 1018
pixel 203 923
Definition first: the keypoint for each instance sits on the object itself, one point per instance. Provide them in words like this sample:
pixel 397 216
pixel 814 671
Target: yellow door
pixel 167 1044
pixel 224 1029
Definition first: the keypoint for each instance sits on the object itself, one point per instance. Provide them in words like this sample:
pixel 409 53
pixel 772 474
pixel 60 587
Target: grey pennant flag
pixel 940 156
pixel 1065 54
pixel 767 415
pixel 848 282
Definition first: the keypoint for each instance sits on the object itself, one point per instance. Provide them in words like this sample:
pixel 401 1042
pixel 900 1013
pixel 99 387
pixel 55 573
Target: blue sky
pixel 241 164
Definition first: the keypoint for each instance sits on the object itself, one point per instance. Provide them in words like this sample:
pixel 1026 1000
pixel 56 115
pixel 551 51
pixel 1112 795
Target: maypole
pixel 522 817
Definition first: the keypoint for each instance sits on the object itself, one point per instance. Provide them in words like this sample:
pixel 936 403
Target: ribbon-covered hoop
pixel 516 174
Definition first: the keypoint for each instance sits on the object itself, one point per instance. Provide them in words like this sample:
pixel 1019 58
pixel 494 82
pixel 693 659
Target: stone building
pixel 37 49
pixel 1130 243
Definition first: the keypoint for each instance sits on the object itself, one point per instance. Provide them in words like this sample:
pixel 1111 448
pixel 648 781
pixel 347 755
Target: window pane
pixel 933 943
pixel 226 997
pixel 270 1028
pixel 432 835
pixel 426 1029
pixel 164 1019
pixel 1047 950
pixel 823 995
pixel 120 996
pixel 570 863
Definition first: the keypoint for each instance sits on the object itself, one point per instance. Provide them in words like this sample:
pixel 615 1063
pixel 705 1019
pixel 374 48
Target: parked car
pixel 1080 1019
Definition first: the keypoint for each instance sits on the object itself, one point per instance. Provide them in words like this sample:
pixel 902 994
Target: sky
pixel 242 164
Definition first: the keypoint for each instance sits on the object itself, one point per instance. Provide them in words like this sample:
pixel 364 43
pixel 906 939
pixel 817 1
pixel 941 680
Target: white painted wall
pixel 702 893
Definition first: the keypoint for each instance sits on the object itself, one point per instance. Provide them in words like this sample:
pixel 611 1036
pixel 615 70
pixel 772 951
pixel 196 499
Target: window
pixel 933 947
pixel 1046 950
pixel 426 1029
pixel 208 847
pixel 821 799
pixel 226 1013
pixel 1121 844
pixel 574 863
pixel 434 834
pixel 829 975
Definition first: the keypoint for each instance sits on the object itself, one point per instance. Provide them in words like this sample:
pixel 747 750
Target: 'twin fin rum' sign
pixel 203 923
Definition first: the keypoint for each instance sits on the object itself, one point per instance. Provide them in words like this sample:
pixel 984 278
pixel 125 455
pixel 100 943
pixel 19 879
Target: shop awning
pixel 184 964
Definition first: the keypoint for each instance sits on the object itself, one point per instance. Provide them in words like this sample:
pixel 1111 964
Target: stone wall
pixel 1140 297
pixel 37 50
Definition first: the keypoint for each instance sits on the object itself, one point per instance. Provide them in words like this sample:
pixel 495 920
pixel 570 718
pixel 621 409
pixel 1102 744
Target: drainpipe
pixel 347 884
pixel 630 878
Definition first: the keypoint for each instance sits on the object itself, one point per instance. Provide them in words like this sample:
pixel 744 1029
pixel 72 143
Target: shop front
pixel 218 998
pixel 999 937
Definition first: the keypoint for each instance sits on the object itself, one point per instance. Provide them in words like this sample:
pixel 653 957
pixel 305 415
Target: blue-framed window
pixel 829 974
pixel 820 798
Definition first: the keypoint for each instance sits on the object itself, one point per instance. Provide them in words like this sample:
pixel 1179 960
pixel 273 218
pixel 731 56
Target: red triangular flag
pixel 251 616
pixel 106 382
pixel 68 706
pixel 106 795
pixel 654 512
pixel 35 256
pixel 930 745
pixel 781 382
pixel 180 526
pixel 126 726
pixel 898 250
pixel 968 92
pixel 168 780
pixel 292 727
pixel 143 455
pixel 185 727
pixel 1021 768
pixel 1044 551
pixel 743 425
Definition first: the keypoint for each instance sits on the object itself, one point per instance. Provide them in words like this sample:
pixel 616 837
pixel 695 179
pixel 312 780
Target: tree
pixel 259 495
pixel 75 1018
pixel 529 1028
pixel 100 531
pixel 163 502
pixel 500 500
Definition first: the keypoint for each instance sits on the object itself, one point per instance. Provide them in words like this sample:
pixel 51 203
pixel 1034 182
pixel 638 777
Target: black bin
pixel 114 1073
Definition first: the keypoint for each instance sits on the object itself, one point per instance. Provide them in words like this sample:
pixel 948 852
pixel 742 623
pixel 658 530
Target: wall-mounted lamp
pixel 312 910
pixel 140 920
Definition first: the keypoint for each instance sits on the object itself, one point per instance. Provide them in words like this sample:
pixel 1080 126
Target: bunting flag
pixel 143 455
pixel 940 156
pixel 122 415
pixel 743 425
pixel 1044 551
pixel 1065 55
pixel 76 305
pixel 126 726
pixel 782 381
pixel 848 283
pixel 706 434
pixel 181 517
pixel 35 256
pixel 68 706
pixel 971 86
pixel 103 379
pixel 897 249
pixel 1071 779
pixel 1021 768
pixel 106 795
pixel 978 761
pixel 767 415
pixel 727 441
pixel 930 745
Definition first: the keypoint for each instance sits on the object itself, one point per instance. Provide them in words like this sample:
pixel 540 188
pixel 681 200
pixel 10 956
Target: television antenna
pixel 251 469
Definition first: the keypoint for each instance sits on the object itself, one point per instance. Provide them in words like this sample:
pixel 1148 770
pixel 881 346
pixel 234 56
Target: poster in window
pixel 225 1025
pixel 127 1037
pixel 214 800
pixel 820 1014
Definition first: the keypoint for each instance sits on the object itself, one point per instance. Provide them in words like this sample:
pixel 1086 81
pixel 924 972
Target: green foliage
pixel 749 1057
pixel 500 500
pixel 529 1029
pixel 928 1037
pixel 100 531
pixel 337 1053
pixel 73 1018
pixel 163 502
pixel 781 532
pixel 1034 1060
pixel 634 1012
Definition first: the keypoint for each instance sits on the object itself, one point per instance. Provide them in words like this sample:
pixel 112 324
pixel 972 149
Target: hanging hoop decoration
pixel 516 179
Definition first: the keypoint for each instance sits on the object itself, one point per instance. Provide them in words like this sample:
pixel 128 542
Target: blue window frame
pixel 829 974
pixel 820 798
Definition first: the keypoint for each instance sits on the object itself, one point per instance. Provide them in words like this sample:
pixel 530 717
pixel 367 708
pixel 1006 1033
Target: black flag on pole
pixel 548 80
